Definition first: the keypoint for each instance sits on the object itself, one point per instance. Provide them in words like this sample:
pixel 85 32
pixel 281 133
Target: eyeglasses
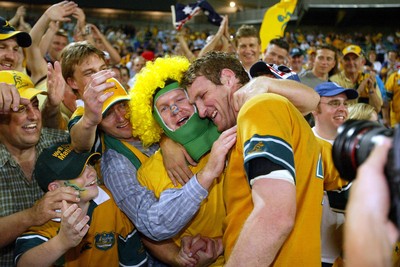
pixel 336 103
pixel 117 109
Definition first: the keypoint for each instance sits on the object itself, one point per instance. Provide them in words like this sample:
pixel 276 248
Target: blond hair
pixel 361 111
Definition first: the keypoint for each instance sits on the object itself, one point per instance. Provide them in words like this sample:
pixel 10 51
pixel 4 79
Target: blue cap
pixel 280 72
pixel 332 89
pixel 296 52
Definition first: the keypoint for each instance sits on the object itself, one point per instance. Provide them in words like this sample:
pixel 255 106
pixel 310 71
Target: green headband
pixel 167 88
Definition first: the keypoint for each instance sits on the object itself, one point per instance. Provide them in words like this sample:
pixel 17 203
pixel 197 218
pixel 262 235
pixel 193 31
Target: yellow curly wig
pixel 148 80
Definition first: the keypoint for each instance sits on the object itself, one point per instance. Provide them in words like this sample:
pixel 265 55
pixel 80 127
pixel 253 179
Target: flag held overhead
pixel 183 13
pixel 212 16
pixel 275 20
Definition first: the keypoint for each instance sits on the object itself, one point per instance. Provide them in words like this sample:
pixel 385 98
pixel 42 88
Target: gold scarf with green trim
pixel 126 149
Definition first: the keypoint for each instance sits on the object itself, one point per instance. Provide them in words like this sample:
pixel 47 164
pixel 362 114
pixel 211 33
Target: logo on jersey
pixel 104 241
pixel 258 147
pixel 273 148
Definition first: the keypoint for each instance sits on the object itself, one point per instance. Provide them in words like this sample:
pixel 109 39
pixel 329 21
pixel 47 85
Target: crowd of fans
pixel 130 41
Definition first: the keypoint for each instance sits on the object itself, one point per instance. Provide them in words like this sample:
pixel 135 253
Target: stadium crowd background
pixel 155 31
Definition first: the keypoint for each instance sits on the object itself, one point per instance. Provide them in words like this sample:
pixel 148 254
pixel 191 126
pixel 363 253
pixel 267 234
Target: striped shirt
pixel 158 219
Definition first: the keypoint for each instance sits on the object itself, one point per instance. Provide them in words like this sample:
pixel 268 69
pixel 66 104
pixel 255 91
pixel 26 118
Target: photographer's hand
pixel 369 234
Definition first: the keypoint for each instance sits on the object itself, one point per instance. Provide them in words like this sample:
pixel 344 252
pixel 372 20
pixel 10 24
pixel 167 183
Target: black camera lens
pixel 353 144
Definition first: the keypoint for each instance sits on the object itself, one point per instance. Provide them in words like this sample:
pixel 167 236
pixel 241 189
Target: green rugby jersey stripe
pixel 271 147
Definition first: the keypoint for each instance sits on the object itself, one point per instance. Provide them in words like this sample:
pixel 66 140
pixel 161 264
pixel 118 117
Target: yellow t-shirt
pixel 270 126
pixel 393 88
pixel 208 220
pixel 112 239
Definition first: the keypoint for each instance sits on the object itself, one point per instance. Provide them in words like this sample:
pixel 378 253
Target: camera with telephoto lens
pixel 352 146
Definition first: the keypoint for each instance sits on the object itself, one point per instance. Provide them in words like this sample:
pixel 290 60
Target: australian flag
pixel 183 13
pixel 213 17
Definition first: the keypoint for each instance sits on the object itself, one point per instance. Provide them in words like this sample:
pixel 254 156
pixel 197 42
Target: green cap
pixel 61 162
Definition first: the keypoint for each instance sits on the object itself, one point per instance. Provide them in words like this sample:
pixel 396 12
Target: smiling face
pixel 213 101
pixel 248 51
pixel 329 117
pixel 9 55
pixel 86 184
pixel 21 129
pixel 115 122
pixel 174 108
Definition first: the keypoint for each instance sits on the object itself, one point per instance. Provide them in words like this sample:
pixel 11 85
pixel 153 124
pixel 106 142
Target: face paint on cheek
pixel 68 183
